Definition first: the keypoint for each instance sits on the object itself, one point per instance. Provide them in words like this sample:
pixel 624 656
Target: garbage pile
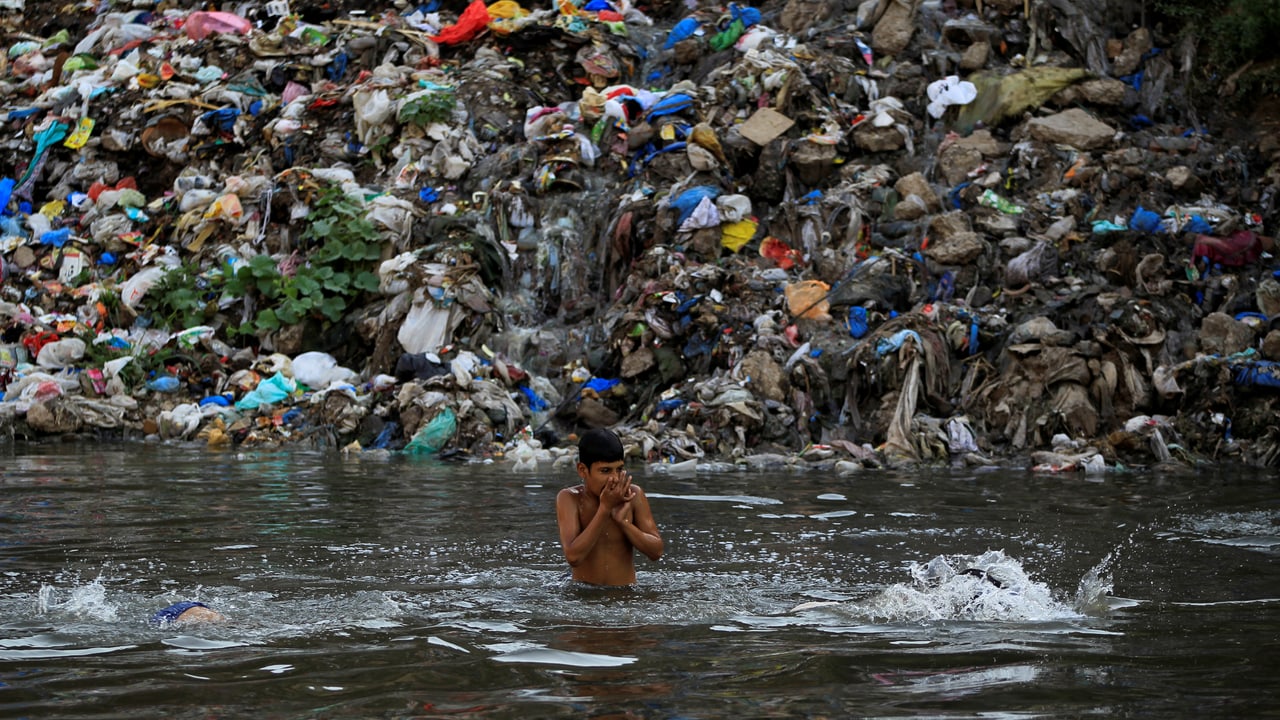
pixel 805 234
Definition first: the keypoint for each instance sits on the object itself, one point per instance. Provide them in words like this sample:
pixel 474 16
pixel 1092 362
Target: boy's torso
pixel 611 561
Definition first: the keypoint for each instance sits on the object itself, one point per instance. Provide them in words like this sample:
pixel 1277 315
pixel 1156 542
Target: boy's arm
pixel 577 541
pixel 642 531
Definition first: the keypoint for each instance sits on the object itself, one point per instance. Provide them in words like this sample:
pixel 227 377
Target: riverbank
pixel 800 234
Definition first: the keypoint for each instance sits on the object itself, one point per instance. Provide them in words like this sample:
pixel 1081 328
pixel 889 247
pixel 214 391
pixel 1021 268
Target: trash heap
pixel 805 234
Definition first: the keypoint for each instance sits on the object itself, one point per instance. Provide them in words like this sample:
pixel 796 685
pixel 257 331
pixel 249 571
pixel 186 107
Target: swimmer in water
pixel 606 518
pixel 186 611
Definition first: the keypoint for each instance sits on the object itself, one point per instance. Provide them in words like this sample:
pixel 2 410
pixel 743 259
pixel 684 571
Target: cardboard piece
pixel 765 125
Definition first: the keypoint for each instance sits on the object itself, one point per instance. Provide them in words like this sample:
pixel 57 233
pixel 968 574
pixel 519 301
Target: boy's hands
pixel 617 492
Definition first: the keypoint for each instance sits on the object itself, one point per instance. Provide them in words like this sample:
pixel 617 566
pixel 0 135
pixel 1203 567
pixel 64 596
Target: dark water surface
pixel 402 588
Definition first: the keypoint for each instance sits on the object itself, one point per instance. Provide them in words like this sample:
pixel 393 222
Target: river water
pixel 394 587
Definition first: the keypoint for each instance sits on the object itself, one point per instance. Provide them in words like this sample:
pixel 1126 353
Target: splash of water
pixel 83 601
pixel 991 587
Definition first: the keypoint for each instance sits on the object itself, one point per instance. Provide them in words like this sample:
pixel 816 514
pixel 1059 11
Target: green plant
pixel 1229 35
pixel 182 298
pixel 430 107
pixel 343 246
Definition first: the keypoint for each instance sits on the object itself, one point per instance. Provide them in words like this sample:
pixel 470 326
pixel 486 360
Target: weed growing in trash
pixel 432 107
pixel 335 271
pixel 184 298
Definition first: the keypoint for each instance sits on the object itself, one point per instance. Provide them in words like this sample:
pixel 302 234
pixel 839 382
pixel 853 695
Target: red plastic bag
pixel 473 20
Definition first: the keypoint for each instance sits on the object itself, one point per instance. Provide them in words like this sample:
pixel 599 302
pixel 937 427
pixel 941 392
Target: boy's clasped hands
pixel 617 496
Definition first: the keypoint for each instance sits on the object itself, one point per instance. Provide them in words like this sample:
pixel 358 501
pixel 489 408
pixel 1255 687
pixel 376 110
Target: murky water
pixel 400 588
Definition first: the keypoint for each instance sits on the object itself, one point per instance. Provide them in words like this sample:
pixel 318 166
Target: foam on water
pixel 1256 530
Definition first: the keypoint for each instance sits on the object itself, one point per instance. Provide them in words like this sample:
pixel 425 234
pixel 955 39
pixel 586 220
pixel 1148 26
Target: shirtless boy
pixel 606 517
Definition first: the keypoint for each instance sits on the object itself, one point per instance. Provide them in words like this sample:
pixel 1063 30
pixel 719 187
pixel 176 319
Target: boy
pixel 606 517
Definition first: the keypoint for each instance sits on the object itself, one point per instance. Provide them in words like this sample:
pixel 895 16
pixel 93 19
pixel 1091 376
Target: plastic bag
pixel 61 353
pixel 201 24
pixel 687 201
pixel 735 235
pixel 808 299
pixel 319 370
pixel 434 435
pixel 470 23
pixel 949 91
pixel 269 391
pixel 681 31
pixel 136 287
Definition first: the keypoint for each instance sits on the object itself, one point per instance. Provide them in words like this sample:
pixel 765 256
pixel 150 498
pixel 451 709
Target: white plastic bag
pixel 949 91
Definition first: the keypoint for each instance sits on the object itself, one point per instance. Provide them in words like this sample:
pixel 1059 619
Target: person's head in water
pixel 186 611
pixel 598 446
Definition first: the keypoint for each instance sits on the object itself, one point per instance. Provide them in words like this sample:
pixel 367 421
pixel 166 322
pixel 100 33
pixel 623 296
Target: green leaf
pixel 306 285
pixel 263 266
pixel 267 320
pixel 332 307
pixel 330 251
pixel 321 228
pixel 366 281
pixel 288 314
pixel 339 283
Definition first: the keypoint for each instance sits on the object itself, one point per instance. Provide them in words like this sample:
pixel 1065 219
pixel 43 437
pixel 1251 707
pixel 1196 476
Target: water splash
pixel 990 587
pixel 86 602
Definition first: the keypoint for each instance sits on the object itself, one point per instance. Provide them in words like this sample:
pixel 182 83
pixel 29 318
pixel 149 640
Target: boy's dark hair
pixel 599 445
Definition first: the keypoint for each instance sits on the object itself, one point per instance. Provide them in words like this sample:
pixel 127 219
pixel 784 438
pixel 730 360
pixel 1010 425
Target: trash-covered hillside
pixel 815 233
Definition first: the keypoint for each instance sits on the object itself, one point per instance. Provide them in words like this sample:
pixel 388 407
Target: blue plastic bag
pixel 688 200
pixel 748 15
pixel 6 191
pixel 681 31
pixel 600 385
pixel 858 321
pixel 536 403
pixel 1144 220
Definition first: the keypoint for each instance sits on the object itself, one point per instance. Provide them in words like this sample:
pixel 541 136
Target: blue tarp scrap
pixel 1265 373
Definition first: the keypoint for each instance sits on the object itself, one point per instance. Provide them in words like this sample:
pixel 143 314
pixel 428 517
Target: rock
pixel 1042 330
pixel 1073 127
pixel 878 139
pixel 952 242
pixel 813 162
pixel 893 33
pixel 54 416
pixel 955 162
pixel 918 198
pixel 1271 345
pixel 948 225
pixel 1268 297
pixel 595 414
pixel 1221 334
pixel 961 156
pixel 1183 179
pixel 800 15
pixel 766 375
pixel 1138 43
pixel 975 56
pixel 1101 91
pixel 687 52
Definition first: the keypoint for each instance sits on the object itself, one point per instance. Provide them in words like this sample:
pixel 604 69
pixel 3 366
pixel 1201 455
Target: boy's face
pixel 600 473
